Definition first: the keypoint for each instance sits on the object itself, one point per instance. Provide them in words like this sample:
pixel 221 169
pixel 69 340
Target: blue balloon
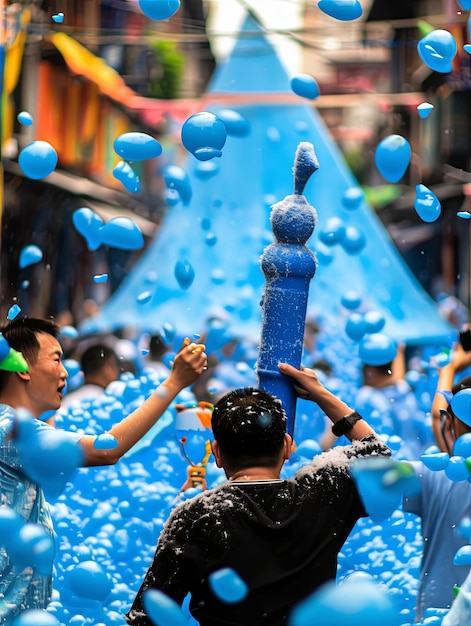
pixel 10 523
pixel 463 556
pixel 31 546
pixel 462 446
pixel 127 176
pixel 374 321
pixel 435 462
pixel 105 442
pixel 159 9
pixel 305 86
pixel 122 233
pixel 38 159
pixel 25 118
pixel 354 602
pixel 424 109
pixel 461 405
pixel 351 300
pixel 184 273
pixel 344 10
pixel 465 4
pixel 426 204
pixel 379 500
pixel 456 469
pixel 206 169
pixel 69 331
pixel 137 146
pixel 72 366
pixel 377 349
pixel 464 528
pixel 205 134
pixel 332 232
pixel 89 225
pixel 4 347
pixel 324 254
pixel 437 50
pixel 227 585
pixel 352 198
pixel 162 609
pixel 171 197
pixel 30 255
pixel 392 157
pixel 13 311
pixel 355 328
pixel 176 178
pixel 89 580
pixel 236 125
pixel 353 240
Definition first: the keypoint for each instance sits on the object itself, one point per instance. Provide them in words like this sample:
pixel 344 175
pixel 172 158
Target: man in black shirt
pixel 282 537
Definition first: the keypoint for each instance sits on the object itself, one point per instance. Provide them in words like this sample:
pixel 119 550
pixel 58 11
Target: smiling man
pixel 40 390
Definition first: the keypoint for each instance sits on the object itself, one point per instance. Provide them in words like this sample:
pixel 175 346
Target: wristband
pixel 346 423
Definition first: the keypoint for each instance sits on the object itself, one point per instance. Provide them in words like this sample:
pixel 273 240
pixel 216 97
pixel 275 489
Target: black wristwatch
pixel 346 423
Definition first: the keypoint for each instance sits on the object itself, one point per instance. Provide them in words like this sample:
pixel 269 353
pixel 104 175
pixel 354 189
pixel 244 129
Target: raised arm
pixel 189 362
pixel 308 387
pixel 459 361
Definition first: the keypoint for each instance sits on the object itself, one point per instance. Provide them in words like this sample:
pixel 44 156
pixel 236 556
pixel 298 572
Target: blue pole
pixel 288 266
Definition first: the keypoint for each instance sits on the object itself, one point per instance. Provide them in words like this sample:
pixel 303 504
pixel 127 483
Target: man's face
pixel 47 376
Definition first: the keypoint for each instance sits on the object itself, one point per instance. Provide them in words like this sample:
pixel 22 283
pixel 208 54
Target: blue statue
pixel 288 266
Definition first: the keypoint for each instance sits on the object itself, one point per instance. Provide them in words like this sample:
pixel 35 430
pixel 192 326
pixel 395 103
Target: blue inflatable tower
pixel 288 266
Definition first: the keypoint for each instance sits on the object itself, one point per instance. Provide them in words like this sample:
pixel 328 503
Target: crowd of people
pixel 252 522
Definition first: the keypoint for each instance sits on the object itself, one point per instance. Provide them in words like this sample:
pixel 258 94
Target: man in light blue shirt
pixel 39 390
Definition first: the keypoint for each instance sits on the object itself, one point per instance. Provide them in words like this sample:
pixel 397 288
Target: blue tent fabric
pixel 234 204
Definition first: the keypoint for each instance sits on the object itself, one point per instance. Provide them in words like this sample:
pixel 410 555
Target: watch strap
pixel 345 424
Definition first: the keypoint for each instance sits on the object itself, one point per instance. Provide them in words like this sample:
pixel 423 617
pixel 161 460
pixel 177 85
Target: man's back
pixel 282 538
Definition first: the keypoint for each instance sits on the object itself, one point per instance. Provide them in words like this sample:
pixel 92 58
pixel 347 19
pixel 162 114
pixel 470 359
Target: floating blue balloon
pixel 426 204
pixel 171 197
pixel 30 255
pixel 353 240
pixel 89 580
pixel 38 159
pixel 100 278
pixel 379 500
pixel 305 86
pixel 72 366
pixel 355 602
pixel 463 556
pixel 464 528
pixel 456 469
pixel 465 4
pixel 176 178
pixel 25 118
pixel 89 225
pixel 31 546
pixel 374 321
pixel 352 198
pixel 210 239
pixel 144 296
pixel 137 146
pixel 392 157
pixel 344 10
pixel 122 233
pixel 204 135
pixel 228 586
pixel 184 273
pixel 236 125
pixel 355 327
pixel 69 331
pixel 351 300
pixel 462 446
pixel 13 312
pixel 159 9
pixel 162 609
pixel 377 349
pixel 58 18
pixel 464 215
pixel 324 254
pixel 424 109
pixel 461 405
pixel 332 232
pixel 206 169
pixel 127 176
pixel 435 462
pixel 437 50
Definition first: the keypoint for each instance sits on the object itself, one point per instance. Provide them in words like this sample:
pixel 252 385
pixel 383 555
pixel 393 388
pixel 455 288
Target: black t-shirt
pixel 281 537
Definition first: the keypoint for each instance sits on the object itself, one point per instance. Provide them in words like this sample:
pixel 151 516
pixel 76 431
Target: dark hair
pixel 385 369
pixel 21 335
pixel 157 347
pixel 249 425
pixel 95 357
